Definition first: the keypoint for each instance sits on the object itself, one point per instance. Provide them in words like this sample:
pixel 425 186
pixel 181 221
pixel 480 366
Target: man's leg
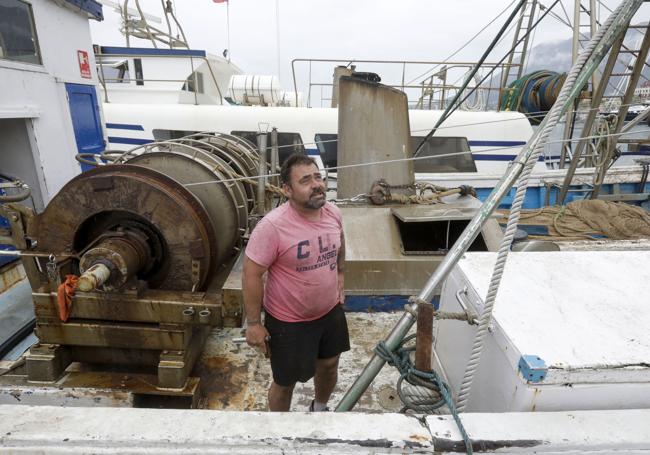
pixel 325 378
pixel 280 397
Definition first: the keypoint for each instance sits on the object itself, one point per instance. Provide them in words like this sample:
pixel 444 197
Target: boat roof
pixel 580 310
pixel 92 7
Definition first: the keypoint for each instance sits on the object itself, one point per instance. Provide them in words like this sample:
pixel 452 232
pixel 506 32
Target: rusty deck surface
pixel 236 377
pixel 232 376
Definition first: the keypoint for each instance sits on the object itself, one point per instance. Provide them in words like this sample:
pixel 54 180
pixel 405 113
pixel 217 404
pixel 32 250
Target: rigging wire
pixel 426 73
pixel 419 158
pixel 449 108
pixel 516 44
pixel 567 22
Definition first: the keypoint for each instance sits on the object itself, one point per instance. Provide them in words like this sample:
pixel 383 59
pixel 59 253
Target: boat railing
pixel 194 61
pixel 428 84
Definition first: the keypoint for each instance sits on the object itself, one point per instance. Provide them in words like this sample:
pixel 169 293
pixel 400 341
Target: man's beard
pixel 315 203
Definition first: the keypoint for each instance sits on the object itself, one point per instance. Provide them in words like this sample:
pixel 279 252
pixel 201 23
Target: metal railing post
pixel 262 171
pixel 275 153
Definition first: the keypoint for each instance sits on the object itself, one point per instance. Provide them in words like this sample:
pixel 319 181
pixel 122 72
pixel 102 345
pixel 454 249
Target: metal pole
pixel 567 134
pixel 575 48
pixel 476 224
pixel 599 91
pixel 275 153
pixel 593 28
pixel 261 180
pixel 622 112
pixel 636 120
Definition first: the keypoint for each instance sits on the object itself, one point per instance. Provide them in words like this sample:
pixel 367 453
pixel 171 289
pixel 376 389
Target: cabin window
pixel 165 135
pixel 328 148
pixel 18 39
pixel 455 150
pixel 192 86
pixel 459 161
pixel 434 237
pixel 114 71
pixel 288 143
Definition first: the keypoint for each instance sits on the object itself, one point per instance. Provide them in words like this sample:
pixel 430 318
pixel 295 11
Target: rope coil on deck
pixel 424 391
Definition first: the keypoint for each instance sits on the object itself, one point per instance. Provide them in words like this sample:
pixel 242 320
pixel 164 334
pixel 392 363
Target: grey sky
pixel 370 29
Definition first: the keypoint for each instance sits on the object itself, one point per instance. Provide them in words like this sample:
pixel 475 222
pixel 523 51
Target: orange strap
pixel 65 294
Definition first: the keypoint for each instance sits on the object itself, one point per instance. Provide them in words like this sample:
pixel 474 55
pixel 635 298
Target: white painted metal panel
pixel 37 93
pixel 584 313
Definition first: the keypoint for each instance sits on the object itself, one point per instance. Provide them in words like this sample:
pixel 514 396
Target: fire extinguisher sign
pixel 84 64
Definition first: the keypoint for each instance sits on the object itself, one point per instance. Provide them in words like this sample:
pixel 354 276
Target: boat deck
pixel 236 377
pixel 233 376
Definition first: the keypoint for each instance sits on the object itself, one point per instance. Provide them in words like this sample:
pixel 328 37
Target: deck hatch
pixel 434 231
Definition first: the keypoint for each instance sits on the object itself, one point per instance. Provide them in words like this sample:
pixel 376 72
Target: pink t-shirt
pixel 302 279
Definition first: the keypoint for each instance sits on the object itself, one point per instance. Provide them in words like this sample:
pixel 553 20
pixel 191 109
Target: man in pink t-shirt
pixel 300 247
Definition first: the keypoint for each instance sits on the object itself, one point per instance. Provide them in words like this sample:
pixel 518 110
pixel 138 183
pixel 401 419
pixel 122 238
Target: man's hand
pixel 256 336
pixel 341 288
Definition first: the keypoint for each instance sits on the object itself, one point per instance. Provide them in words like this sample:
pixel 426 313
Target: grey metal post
pixel 262 171
pixel 275 153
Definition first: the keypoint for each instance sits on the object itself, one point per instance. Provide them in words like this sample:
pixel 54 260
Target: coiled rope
pixel 424 391
pixel 533 94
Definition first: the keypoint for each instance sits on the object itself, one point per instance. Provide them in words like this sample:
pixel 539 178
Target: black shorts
pixel 295 346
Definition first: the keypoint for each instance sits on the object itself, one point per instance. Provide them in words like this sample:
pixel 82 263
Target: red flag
pixel 220 1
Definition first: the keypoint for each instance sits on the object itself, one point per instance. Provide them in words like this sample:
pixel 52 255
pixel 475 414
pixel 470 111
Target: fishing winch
pixel 151 238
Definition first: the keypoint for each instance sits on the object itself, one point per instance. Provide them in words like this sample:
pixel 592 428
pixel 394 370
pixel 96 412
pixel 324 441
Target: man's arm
pixel 253 290
pixel 340 266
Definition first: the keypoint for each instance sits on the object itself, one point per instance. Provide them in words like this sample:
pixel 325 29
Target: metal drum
pixel 168 213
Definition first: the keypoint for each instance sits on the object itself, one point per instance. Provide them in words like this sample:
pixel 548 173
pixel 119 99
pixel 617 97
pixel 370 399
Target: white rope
pixel 479 97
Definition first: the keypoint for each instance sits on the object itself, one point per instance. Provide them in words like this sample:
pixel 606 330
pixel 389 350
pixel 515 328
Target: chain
pixel 52 270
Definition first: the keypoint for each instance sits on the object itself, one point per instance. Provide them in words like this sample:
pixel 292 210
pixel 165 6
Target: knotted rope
pixel 424 391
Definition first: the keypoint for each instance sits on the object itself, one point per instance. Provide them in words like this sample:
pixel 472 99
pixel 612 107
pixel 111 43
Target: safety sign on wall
pixel 84 64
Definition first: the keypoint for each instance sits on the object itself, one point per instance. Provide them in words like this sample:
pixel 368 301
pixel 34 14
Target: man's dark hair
pixel 296 159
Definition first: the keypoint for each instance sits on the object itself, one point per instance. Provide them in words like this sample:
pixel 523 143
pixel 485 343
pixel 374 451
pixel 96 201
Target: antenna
pixel 135 22
pixel 118 8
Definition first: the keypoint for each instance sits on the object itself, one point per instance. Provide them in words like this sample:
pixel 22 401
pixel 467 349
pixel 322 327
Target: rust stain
pixel 419 438
pixel 536 393
pixel 224 384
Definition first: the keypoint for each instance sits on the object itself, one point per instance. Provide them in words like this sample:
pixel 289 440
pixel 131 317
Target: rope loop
pixel 423 391
pixel 441 315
